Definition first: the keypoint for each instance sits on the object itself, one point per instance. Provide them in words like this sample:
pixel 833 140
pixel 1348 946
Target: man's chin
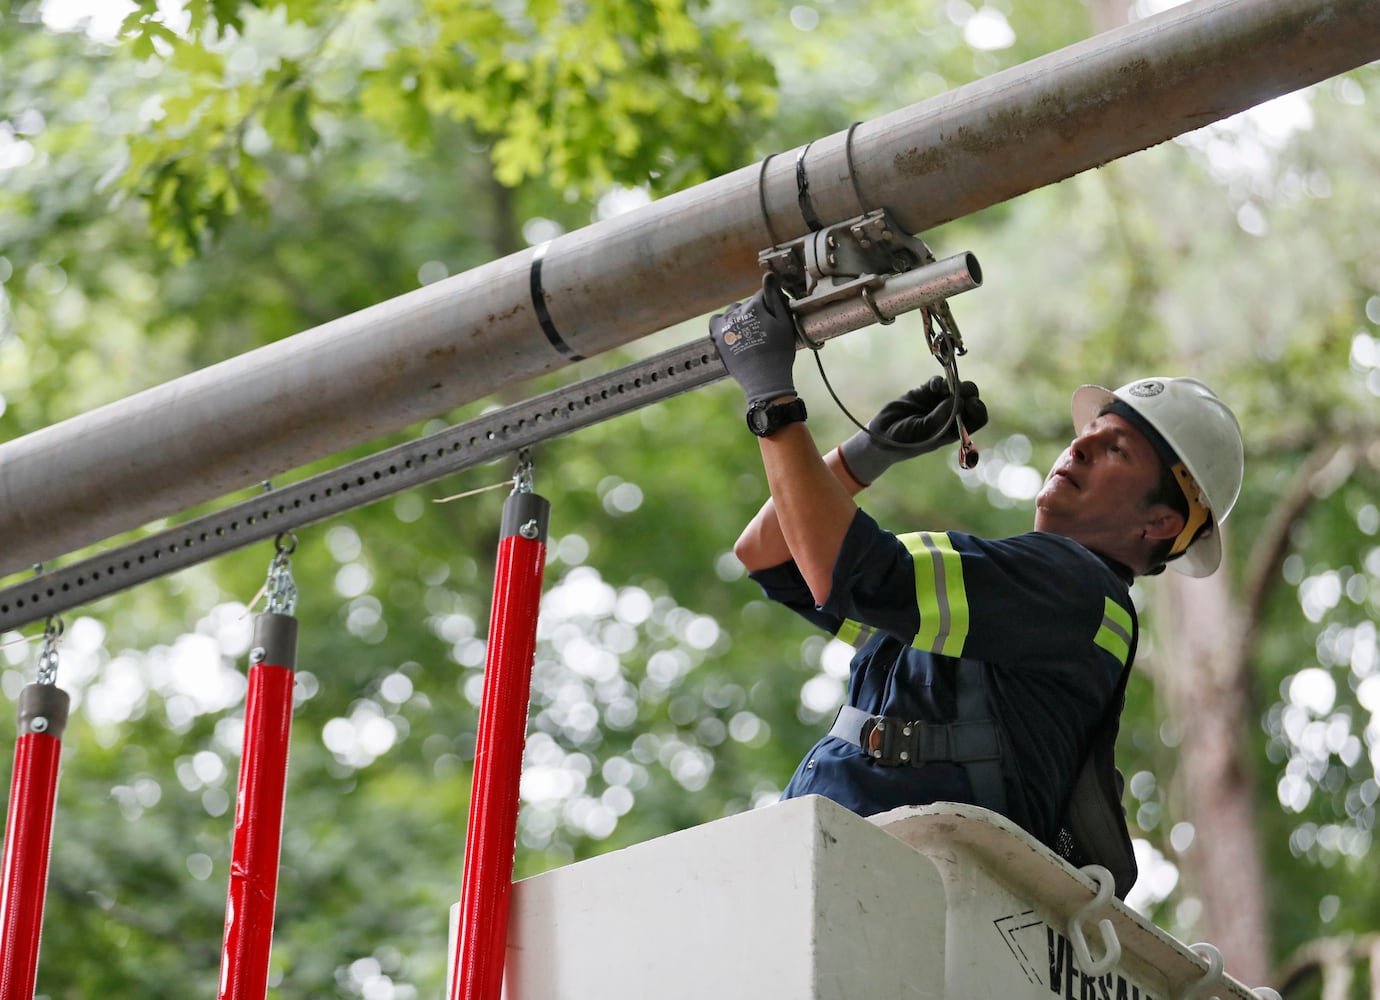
pixel 1048 515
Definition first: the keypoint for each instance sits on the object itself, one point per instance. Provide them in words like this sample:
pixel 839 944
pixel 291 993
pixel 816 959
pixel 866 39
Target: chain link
pixel 522 477
pixel 280 587
pixel 48 654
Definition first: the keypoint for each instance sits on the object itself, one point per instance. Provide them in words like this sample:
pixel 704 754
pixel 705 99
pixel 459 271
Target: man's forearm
pixel 809 511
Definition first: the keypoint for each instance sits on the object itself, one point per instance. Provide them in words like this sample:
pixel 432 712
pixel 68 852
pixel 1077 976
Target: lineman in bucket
pixel 987 671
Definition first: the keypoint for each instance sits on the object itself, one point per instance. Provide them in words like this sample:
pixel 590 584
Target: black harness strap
pixel 973 742
pixel 985 774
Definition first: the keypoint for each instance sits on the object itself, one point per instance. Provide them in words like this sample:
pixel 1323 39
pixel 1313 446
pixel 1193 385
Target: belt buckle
pixel 889 741
pixel 874 735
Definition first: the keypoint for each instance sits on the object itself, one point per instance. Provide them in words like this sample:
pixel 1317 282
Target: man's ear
pixel 1162 522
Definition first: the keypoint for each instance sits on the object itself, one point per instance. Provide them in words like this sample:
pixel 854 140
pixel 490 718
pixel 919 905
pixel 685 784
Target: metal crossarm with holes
pixel 471 443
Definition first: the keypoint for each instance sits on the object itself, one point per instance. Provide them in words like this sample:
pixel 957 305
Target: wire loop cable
pixel 945 344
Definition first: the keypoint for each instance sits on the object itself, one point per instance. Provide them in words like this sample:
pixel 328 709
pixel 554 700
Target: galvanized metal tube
pixel 252 417
pixel 898 294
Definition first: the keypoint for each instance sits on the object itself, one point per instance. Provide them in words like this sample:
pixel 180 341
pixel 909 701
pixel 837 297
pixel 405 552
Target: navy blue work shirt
pixel 1053 620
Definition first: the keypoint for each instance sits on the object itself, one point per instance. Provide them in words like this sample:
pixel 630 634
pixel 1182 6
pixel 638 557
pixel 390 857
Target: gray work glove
pixel 756 340
pixel 917 423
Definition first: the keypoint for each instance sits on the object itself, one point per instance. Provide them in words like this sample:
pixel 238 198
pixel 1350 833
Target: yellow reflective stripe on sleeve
pixel 854 633
pixel 940 596
pixel 1115 634
pixel 848 632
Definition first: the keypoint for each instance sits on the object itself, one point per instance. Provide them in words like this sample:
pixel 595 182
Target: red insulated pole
pixel 490 838
pixel 253 892
pixel 28 835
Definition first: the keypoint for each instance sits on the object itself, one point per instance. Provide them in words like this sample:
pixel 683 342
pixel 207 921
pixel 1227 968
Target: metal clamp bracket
pixel 844 260
pixel 869 270
pixel 872 243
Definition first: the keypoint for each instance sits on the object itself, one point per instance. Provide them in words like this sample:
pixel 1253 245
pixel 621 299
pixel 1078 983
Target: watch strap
pixel 765 419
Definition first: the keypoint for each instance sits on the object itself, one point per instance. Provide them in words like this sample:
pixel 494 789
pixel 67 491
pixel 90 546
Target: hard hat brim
pixel 1202 557
pixel 1088 401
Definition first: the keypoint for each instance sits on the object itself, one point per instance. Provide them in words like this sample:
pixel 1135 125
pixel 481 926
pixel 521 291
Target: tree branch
pixel 1332 959
pixel 1273 542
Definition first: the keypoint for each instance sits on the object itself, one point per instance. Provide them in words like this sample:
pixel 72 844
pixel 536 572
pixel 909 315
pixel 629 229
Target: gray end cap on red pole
pixel 525 514
pixel 43 709
pixel 275 640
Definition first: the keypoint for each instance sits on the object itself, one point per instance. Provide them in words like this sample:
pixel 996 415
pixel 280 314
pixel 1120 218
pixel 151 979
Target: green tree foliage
pixel 201 188
pixel 577 96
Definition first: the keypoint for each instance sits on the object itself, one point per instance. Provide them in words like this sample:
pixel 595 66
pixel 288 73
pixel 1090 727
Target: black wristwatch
pixel 765 419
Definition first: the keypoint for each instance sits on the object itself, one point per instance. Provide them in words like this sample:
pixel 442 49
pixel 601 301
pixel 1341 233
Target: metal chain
pixel 48 655
pixel 522 476
pixel 281 588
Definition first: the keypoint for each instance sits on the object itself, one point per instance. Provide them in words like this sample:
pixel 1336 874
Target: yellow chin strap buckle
pixel 1198 513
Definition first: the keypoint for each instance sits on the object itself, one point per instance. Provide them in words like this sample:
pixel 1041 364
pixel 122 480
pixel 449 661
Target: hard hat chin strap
pixel 1198 513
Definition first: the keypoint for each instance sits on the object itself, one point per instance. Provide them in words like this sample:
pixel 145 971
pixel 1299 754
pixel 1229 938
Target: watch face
pixel 764 418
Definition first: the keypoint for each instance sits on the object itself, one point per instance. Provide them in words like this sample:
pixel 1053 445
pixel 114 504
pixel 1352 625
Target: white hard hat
pixel 1201 437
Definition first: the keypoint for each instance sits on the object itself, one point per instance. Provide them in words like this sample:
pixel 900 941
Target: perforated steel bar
pixel 255 416
pixel 362 482
pixel 427 459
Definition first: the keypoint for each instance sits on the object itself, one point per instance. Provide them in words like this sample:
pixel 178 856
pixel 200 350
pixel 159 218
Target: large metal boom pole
pixel 348 381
